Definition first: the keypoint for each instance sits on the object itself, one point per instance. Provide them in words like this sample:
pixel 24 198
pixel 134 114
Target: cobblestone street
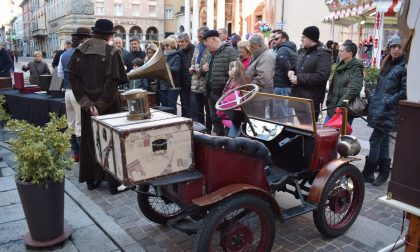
pixel 297 234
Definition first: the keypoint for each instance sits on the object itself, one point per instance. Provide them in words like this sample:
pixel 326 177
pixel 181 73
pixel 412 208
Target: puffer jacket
pixel 198 81
pixel 186 56
pixel 174 62
pixel 218 75
pixel 285 59
pixel 312 69
pixel 383 104
pixel 346 84
pixel 261 69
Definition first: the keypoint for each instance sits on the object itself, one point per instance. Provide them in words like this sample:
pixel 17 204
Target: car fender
pixel 227 191
pixel 323 175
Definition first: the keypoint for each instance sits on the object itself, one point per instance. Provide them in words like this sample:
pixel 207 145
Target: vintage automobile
pixel 228 199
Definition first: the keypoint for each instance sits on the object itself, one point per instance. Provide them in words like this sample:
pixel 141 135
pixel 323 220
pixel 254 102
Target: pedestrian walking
pixel 169 94
pixel 6 63
pixel 347 81
pixel 217 73
pixel 95 71
pixel 383 110
pixel 36 68
pixel 310 75
pixel 199 101
pixel 73 110
pixel 186 51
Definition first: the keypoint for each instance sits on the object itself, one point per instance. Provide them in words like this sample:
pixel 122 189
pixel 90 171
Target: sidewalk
pixel 92 229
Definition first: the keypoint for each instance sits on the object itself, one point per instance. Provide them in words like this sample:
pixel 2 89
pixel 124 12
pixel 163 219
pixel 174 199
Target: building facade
pixel 47 24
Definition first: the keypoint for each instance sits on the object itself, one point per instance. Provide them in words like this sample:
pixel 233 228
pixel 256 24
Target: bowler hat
pixel 311 32
pixel 82 32
pixel 211 33
pixel 103 26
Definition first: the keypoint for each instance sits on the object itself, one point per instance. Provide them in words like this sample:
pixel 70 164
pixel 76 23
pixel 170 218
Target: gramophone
pixel 138 101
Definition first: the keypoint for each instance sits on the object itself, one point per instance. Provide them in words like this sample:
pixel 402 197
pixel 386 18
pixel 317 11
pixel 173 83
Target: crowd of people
pixel 203 72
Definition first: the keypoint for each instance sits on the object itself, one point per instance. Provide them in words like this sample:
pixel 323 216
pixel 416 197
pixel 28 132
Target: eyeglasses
pixel 275 39
pixel 166 45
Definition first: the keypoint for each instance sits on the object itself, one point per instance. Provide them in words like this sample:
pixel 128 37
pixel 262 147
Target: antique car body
pixel 234 180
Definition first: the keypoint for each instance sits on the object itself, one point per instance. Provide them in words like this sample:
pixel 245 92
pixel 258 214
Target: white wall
pixel 298 14
pixel 413 75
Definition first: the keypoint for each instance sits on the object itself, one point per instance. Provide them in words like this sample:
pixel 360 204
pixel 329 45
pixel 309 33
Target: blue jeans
pixel 281 110
pixel 168 98
pixel 199 102
pixel 379 146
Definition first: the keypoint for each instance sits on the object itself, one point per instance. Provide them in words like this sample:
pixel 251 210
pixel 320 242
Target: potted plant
pixel 42 157
pixel 370 78
pixel 4 118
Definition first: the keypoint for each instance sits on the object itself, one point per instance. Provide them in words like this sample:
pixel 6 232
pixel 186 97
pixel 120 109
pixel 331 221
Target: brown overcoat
pixel 95 71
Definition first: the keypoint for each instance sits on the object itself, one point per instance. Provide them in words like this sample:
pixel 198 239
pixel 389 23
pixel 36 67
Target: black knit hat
pixel 311 32
pixel 211 33
pixel 103 26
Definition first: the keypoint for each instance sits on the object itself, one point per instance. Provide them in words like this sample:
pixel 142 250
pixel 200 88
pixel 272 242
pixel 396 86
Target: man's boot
pixel 368 171
pixel 384 165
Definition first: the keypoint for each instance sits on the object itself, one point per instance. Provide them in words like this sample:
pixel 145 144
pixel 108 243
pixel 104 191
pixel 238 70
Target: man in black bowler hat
pixel 95 71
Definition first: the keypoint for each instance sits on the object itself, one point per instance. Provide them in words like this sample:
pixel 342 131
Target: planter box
pixel 134 151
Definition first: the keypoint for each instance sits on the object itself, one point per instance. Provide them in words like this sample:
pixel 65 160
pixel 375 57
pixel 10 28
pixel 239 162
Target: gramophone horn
pixel 155 68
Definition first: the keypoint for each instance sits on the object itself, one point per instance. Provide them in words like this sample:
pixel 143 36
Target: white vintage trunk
pixel 134 151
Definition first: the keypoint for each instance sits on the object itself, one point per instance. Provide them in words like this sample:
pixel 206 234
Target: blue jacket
pixel 6 63
pixel 383 104
pixel 65 60
pixel 285 59
pixel 174 62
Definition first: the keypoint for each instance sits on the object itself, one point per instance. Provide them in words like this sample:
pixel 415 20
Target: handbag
pixel 358 107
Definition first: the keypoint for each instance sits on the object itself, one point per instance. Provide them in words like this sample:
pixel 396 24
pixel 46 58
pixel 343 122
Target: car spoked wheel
pixel 340 202
pixel 241 222
pixel 154 208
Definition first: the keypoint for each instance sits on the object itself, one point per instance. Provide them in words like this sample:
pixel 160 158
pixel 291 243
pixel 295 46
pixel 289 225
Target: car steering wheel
pixel 238 100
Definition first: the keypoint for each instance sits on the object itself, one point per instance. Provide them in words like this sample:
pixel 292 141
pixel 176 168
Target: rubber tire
pixel 318 214
pixel 209 224
pixel 148 211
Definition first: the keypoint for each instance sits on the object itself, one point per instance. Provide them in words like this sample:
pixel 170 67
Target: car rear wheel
pixel 154 208
pixel 340 201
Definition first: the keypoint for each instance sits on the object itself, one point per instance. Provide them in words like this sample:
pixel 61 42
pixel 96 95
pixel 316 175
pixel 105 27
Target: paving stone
pixel 7 183
pixel 11 213
pixel 92 239
pixel 133 248
pixel 7 171
pixel 13 231
pixel 146 242
pixel 9 198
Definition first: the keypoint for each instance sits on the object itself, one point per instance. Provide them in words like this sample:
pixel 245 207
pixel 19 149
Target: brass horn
pixel 155 68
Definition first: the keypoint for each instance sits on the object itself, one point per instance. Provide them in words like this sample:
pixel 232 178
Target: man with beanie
pixel 95 71
pixel 217 73
pixel 310 74
pixel 72 106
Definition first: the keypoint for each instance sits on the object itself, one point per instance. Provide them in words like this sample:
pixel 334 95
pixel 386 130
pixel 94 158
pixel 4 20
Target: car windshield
pixel 282 110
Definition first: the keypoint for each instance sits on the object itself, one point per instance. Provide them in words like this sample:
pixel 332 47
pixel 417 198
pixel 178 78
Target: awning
pixel 350 14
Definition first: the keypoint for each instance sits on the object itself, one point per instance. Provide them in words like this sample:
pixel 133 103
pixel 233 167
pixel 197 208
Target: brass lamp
pixel 138 104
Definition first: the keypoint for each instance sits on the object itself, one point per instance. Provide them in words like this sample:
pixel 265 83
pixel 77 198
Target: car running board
pixel 297 210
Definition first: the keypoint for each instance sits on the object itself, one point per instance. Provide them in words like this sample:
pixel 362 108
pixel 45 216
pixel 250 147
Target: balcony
pixel 38 32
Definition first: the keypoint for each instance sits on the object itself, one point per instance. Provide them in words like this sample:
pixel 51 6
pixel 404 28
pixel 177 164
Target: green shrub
pixel 4 116
pixel 41 152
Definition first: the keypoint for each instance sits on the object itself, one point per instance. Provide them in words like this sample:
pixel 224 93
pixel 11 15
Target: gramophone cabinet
pixel 134 151
pixel 404 185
